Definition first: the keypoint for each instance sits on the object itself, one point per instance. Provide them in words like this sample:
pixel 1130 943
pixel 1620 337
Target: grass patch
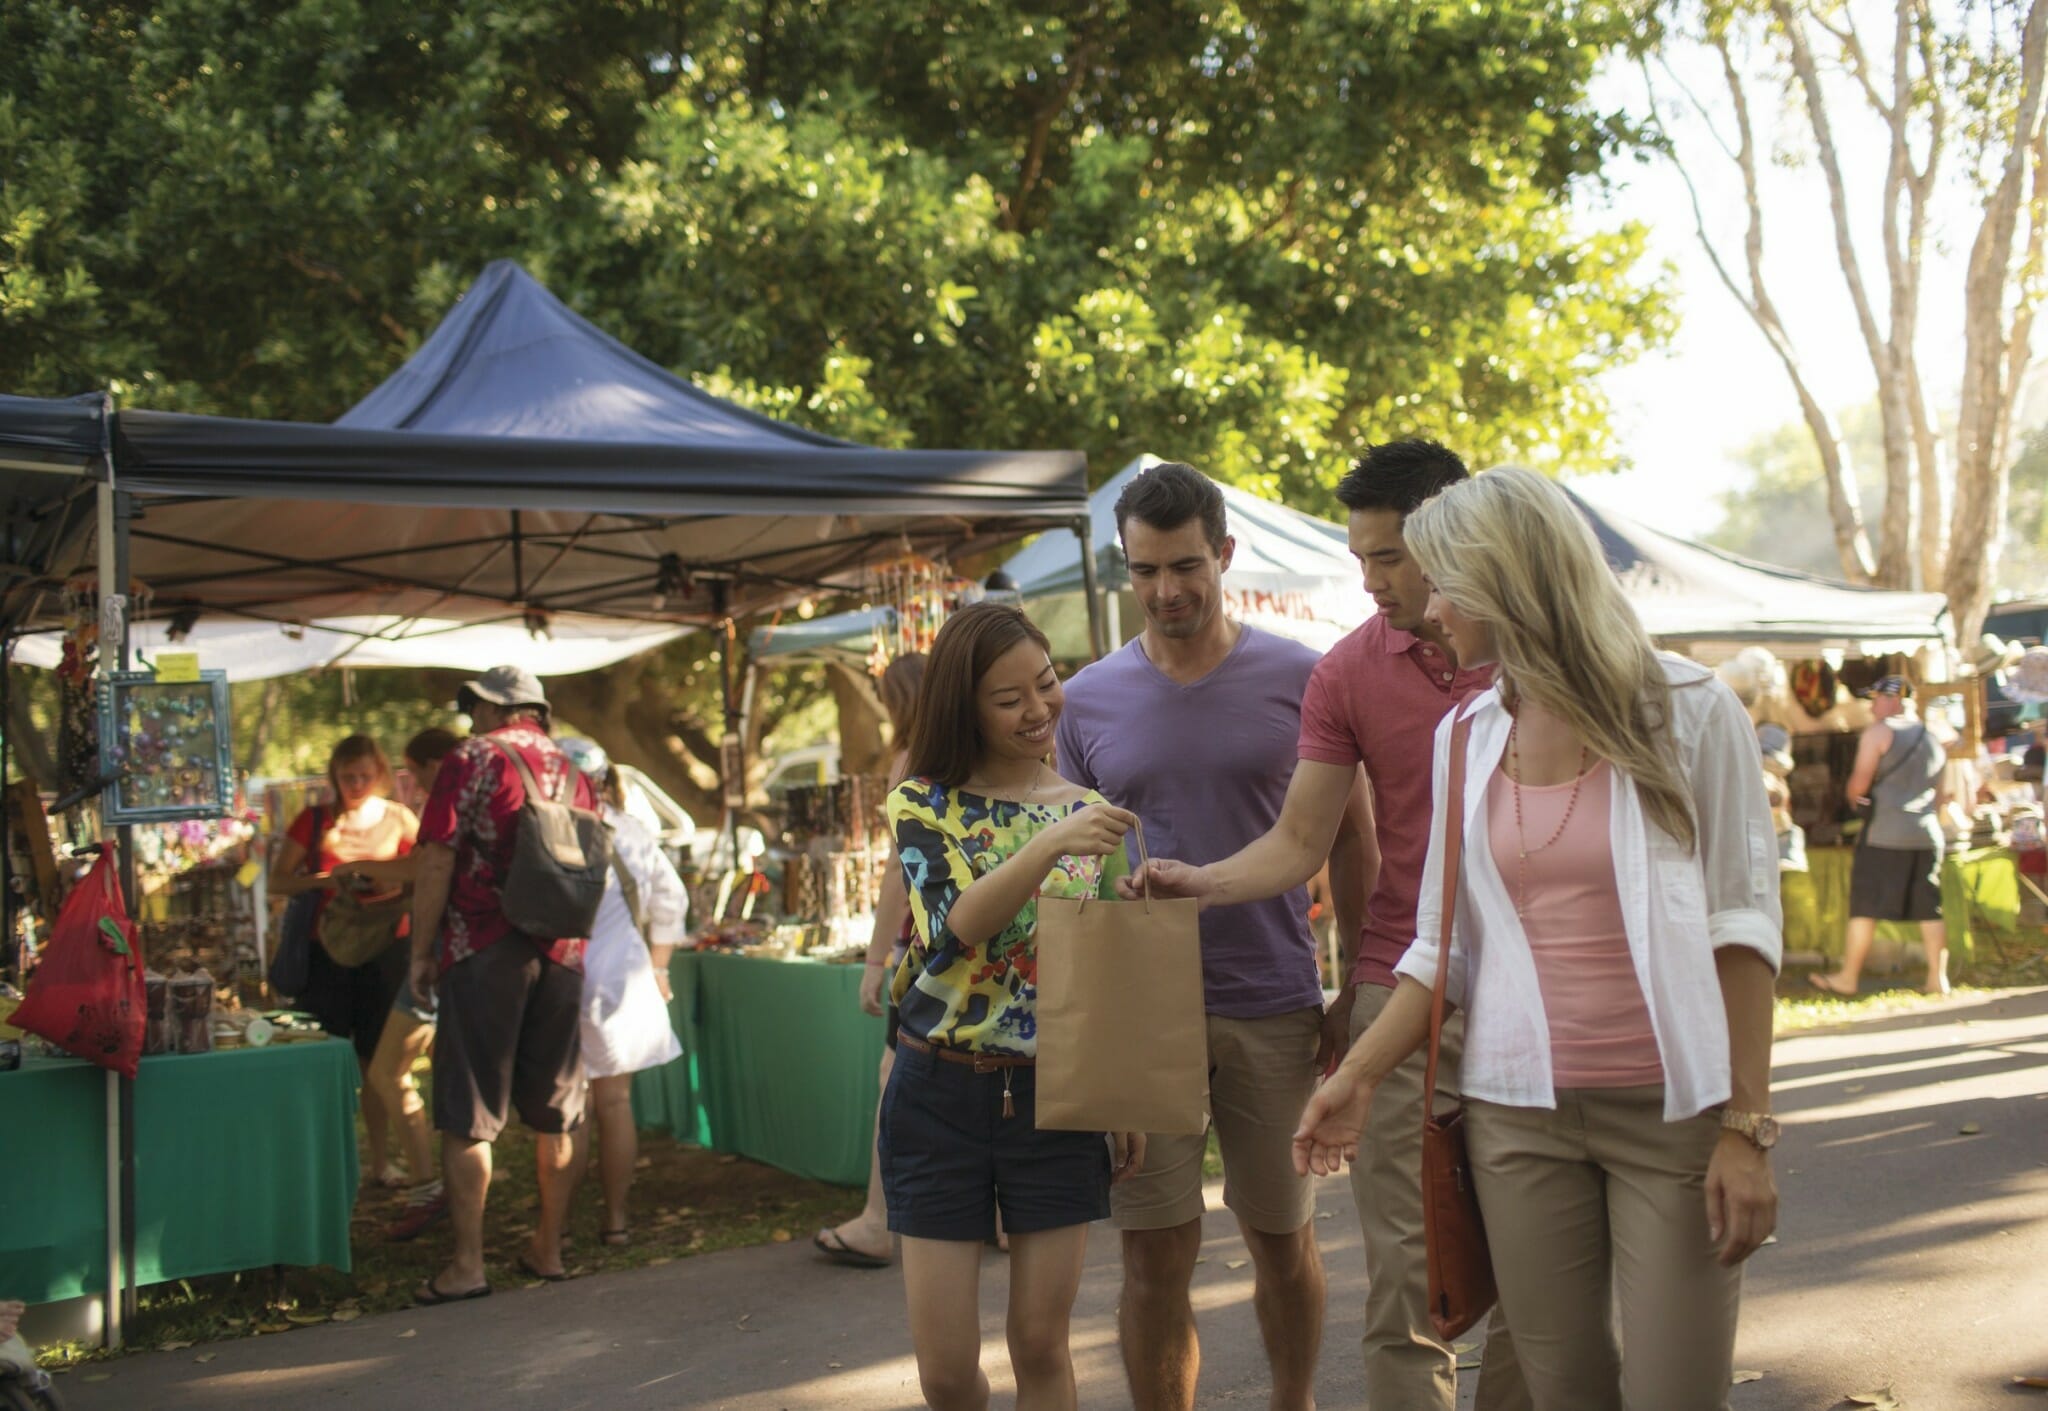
pixel 685 1202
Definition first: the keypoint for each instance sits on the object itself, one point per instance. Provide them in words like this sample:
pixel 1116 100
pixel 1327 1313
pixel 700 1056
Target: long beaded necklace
pixel 1521 836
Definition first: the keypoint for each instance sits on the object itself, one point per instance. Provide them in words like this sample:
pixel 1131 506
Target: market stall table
pixel 244 1158
pixel 1979 889
pixel 779 1064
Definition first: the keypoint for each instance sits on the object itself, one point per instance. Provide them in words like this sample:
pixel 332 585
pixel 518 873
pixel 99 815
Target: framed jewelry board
pixel 169 740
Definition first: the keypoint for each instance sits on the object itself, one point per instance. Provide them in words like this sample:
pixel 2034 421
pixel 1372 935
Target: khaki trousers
pixel 1598 1203
pixel 1407 1367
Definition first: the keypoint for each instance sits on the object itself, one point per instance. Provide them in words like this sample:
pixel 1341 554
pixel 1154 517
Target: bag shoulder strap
pixel 532 785
pixel 1454 859
pixel 310 863
pixel 629 888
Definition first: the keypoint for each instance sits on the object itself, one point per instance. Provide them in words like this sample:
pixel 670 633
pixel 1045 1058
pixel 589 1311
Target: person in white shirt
pixel 625 1022
pixel 1616 943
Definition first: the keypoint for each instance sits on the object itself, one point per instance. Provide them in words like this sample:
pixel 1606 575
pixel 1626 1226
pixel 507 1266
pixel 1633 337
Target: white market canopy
pixel 1701 599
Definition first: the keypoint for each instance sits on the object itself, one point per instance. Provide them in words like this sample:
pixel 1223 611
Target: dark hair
pixel 1168 496
pixel 1400 475
pixel 357 747
pixel 431 745
pixel 898 688
pixel 945 732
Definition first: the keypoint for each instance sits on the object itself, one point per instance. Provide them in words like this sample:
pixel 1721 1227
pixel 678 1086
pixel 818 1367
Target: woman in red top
pixel 362 825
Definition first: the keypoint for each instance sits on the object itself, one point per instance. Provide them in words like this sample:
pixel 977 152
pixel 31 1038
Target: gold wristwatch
pixel 1759 1128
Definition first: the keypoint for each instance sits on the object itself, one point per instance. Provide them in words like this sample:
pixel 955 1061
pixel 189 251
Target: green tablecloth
pixel 779 1064
pixel 243 1158
pixel 1977 889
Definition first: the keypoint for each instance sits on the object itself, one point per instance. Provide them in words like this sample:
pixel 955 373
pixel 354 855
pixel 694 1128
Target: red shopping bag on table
pixel 86 995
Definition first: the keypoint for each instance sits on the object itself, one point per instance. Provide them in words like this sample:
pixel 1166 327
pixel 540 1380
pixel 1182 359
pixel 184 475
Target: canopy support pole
pixel 108 559
pixel 1097 646
pixel 125 835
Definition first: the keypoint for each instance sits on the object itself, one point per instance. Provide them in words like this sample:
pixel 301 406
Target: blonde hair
pixel 1510 549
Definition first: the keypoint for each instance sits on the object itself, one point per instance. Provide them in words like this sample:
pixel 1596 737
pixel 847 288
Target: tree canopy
pixel 1254 235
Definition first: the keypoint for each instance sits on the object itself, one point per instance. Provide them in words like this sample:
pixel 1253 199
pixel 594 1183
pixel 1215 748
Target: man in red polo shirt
pixel 509 1003
pixel 1376 699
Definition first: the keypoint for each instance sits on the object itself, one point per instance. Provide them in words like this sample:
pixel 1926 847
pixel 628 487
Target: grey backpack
pixel 561 855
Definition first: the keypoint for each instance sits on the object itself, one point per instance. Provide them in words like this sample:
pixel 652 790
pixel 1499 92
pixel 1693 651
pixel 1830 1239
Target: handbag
pixel 355 931
pixel 86 996
pixel 1461 1287
pixel 291 965
pixel 1114 1054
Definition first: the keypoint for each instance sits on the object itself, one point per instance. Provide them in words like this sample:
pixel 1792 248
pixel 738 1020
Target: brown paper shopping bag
pixel 1123 1039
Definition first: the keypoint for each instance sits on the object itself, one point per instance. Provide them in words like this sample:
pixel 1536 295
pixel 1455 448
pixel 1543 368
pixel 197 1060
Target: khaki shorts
pixel 1261 1072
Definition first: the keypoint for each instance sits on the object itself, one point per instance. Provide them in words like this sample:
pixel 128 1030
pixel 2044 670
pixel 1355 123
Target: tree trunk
pixel 623 708
pixel 1990 364
pixel 861 748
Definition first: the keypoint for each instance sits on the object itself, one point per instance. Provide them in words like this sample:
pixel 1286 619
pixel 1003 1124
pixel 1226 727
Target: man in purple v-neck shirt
pixel 1193 726
pixel 1375 700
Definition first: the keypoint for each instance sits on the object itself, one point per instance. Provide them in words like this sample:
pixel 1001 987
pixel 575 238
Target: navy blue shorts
pixel 950 1158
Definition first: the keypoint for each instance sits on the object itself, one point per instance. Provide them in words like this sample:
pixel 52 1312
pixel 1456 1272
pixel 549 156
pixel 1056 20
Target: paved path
pixel 1911 1255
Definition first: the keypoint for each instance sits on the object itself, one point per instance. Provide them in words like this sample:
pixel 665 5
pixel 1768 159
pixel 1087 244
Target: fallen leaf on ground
pixel 174 1347
pixel 1741 1377
pixel 1201 1259
pixel 378 1289
pixel 1326 1215
pixel 1969 1129
pixel 410 1333
pixel 727 1160
pixel 780 1237
pixel 305 1320
pixel 1853 1088
pixel 347 1315
pixel 273 1327
pixel 1236 1263
pixel 834 1366
pixel 644 1163
pixel 206 1357
pixel 233 1321
pixel 1464 1347
pixel 1882 1399
pixel 657 1263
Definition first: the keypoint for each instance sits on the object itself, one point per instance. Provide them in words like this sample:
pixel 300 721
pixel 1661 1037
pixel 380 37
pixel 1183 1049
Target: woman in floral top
pixel 983 825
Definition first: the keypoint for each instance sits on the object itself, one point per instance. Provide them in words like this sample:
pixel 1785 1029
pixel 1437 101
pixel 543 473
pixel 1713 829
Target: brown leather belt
pixel 980 1062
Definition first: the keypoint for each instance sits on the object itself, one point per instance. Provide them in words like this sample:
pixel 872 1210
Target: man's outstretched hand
pixel 1167 878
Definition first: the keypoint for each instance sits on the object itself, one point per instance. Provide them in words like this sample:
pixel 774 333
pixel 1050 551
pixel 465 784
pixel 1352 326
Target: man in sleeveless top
pixel 1896 872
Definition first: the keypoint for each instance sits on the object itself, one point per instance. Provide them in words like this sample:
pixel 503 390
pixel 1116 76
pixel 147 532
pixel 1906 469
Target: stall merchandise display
pixel 168 740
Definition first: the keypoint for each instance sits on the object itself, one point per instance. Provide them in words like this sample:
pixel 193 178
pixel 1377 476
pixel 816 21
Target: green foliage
pixel 1255 235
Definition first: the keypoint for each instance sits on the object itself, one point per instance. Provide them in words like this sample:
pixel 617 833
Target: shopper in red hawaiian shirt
pixel 509 1004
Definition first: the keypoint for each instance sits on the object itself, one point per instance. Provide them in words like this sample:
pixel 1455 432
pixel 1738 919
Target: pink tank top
pixel 1570 904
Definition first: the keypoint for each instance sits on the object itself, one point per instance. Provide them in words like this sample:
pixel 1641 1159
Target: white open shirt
pixel 1678 907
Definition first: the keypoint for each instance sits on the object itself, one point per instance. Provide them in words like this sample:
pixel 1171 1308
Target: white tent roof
pixel 1292 574
pixel 250 651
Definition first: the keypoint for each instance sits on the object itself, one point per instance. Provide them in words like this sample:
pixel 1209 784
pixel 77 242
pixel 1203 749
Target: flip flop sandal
pixel 623 1235
pixel 834 1247
pixel 429 1294
pixel 527 1267
pixel 1827 986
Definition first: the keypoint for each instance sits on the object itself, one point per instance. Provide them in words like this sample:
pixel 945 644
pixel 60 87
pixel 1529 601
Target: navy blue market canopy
pixel 524 463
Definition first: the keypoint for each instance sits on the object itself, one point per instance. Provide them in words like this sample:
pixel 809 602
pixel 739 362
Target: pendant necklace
pixel 1521 836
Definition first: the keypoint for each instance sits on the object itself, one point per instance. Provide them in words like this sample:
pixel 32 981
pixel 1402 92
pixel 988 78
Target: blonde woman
pixel 1617 938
